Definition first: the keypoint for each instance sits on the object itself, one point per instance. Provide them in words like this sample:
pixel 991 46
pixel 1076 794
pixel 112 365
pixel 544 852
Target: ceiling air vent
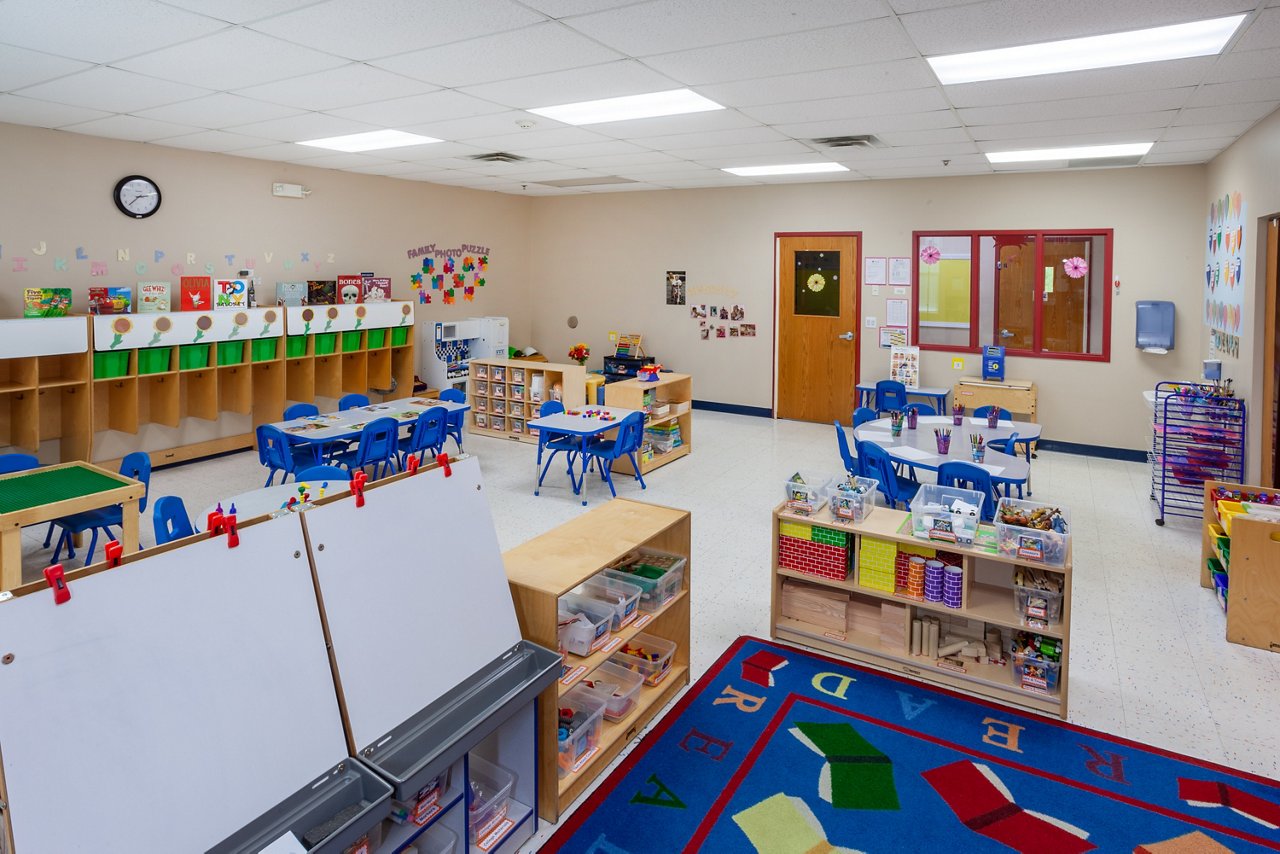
pixel 1104 162
pixel 499 157
pixel 864 140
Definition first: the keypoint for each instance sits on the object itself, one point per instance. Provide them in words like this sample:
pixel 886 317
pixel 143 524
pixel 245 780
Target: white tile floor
pixel 1149 660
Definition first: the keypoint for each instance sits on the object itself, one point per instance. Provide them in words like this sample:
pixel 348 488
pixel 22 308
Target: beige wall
pixel 1250 166
pixel 57 191
pixel 603 258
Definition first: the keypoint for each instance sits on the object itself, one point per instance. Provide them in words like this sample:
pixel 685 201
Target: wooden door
pixel 1015 291
pixel 817 326
pixel 1064 328
pixel 1271 360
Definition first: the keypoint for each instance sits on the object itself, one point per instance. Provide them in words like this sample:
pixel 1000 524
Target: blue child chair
pixel 10 463
pixel 969 476
pixel 1010 446
pixel 322 473
pixel 984 411
pixel 876 463
pixel 428 434
pixel 171 520
pixel 626 444
pixel 842 442
pixel 136 466
pixel 454 429
pixel 920 409
pixel 555 443
pixel 378 446
pixel 278 454
pixel 862 415
pixel 301 410
pixel 351 401
pixel 890 394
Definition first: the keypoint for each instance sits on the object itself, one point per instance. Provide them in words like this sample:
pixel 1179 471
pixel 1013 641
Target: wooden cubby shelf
pixel 988 601
pixel 1248 555
pixel 513 391
pixel 675 391
pixel 46 393
pixel 545 568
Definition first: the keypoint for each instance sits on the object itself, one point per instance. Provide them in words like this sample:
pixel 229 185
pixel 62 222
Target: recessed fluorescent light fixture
pixel 673 102
pixel 1179 41
pixel 1082 152
pixel 785 169
pixel 371 141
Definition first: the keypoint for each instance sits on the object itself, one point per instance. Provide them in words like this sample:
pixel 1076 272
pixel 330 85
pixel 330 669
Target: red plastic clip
pixel 214 523
pixel 443 460
pixel 114 551
pixel 411 465
pixel 233 532
pixel 57 580
pixel 358 480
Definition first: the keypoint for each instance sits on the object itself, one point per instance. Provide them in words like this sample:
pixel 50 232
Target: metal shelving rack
pixel 1197 434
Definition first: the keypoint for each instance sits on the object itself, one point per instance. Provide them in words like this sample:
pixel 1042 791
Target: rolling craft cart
pixel 1197 434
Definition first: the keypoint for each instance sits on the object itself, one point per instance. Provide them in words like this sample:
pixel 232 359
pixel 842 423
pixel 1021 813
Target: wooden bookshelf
pixel 546 567
pixel 1249 555
pixel 672 391
pixel 46 388
pixel 509 392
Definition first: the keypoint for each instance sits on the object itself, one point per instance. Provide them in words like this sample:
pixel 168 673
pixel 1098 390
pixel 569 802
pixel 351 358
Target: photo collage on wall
pixel 721 321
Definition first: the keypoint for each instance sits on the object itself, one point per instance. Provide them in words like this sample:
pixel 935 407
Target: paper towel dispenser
pixel 1155 325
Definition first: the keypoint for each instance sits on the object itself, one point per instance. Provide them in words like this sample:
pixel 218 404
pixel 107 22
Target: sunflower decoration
pixel 267 319
pixel 119 327
pixel 241 319
pixel 361 311
pixel 308 315
pixel 816 282
pixel 162 325
pixel 405 311
pixel 203 324
pixel 332 314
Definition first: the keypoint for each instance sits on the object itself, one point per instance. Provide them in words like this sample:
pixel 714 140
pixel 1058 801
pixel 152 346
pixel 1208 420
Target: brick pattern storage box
pixel 814 604
pixel 875 564
pixel 813 550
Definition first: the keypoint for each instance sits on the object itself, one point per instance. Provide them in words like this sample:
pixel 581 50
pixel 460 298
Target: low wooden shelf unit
pixel 672 391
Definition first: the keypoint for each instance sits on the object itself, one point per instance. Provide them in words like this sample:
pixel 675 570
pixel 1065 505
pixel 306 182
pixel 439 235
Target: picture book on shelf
pixel 153 297
pixel 197 293
pixel 110 300
pixel 231 293
pixel 377 290
pixel 322 292
pixel 350 288
pixel 46 302
pixel 291 293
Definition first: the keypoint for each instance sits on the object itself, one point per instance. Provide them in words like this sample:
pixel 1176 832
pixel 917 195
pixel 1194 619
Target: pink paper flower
pixel 930 255
pixel 1076 268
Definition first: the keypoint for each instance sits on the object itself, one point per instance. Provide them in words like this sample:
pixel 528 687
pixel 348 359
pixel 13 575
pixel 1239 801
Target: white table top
pixel 919 447
pixel 582 424
pixel 260 502
pixel 329 426
pixel 928 391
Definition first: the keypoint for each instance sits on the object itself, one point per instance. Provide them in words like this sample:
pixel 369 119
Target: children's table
pixel 44 494
pixel 320 430
pixel 867 395
pixel 585 428
pixel 918 448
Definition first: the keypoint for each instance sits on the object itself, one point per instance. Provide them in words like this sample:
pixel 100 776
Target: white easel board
pixel 170 701
pixel 415 593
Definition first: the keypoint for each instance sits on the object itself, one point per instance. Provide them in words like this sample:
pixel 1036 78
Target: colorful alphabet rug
pixel 780 751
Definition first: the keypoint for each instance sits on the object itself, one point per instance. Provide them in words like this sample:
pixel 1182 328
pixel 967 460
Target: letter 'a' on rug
pixel 782 751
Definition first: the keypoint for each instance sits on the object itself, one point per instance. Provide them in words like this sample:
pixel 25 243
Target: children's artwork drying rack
pixel 1197 434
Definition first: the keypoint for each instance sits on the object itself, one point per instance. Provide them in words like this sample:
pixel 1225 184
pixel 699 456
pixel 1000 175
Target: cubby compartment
pixel 155 360
pixel 17 374
pixel 62 369
pixel 230 353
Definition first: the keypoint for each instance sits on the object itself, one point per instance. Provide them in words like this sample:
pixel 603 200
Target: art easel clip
pixel 114 551
pixel 411 464
pixel 58 581
pixel 443 461
pixel 233 532
pixel 358 480
pixel 214 522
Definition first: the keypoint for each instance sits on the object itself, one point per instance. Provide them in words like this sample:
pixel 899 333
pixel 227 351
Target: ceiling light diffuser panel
pixel 670 103
pixel 785 169
pixel 1082 152
pixel 371 141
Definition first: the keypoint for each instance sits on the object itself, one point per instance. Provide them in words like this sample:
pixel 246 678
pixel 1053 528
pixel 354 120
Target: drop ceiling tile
pixel 1209 131
pixel 231 59
pixel 417 109
pixel 925 137
pixel 833 47
pixel 665 26
pixel 853 157
pixel 1202 156
pixel 280 151
pixel 424 175
pixel 304 126
pixel 1239 92
pixel 1244 65
pixel 614 149
pixel 875 125
pixel 113 90
pixel 433 151
pixel 1143 124
pixel 534 140
pixel 365 29
pixel 1170 146
pixel 958 161
pixel 726 159
pixel 216 140
pixel 566 8
pixel 935 171
pixel 539 49
pixel 20 67
pixel 734 136
pixel 345 86
pixel 893 76
pixel 627 161
pixel 388 169
pixel 906 7
pixel 1111 137
pixel 882 104
pixel 130 127
pixel 43 114
pixel 609 80
pixel 239 11
pixel 619 188
pixel 217 111
pixel 716 179
pixel 708 122
pixel 492 124
pixel 1263 33
pixel 99 30
pixel 337 160
pixel 1004 23
pixel 731 154
pixel 1082 84
pixel 1104 105
pixel 659 170
pixel 1227 113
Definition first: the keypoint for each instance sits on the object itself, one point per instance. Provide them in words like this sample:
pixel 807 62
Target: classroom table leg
pixel 129 528
pixel 10 558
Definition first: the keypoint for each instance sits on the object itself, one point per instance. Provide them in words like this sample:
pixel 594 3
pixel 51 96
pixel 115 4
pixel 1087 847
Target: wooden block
pixel 814 604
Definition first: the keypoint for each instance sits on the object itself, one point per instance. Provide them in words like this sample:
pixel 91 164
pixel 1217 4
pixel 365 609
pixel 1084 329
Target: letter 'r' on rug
pixel 780 751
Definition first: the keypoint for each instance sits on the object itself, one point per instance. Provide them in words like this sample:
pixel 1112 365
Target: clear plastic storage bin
pixel 437 839
pixel 806 492
pixel 659 575
pixel 590 631
pixel 491 787
pixel 647 655
pixel 854 506
pixel 578 736
pixel 621 597
pixel 616 686
pixel 1027 543
pixel 946 513
pixel 1038 608
pixel 1035 674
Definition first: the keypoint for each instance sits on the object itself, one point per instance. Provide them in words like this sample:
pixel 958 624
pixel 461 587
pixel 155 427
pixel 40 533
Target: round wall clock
pixel 137 196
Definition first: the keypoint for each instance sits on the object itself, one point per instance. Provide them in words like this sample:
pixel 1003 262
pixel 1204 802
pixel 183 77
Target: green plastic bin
pixel 326 343
pixel 193 357
pixel 154 360
pixel 377 338
pixel 295 346
pixel 350 342
pixel 230 352
pixel 400 336
pixel 264 349
pixel 110 363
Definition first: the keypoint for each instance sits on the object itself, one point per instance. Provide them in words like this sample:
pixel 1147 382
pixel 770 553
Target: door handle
pixel 1005 333
pixel 848 336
